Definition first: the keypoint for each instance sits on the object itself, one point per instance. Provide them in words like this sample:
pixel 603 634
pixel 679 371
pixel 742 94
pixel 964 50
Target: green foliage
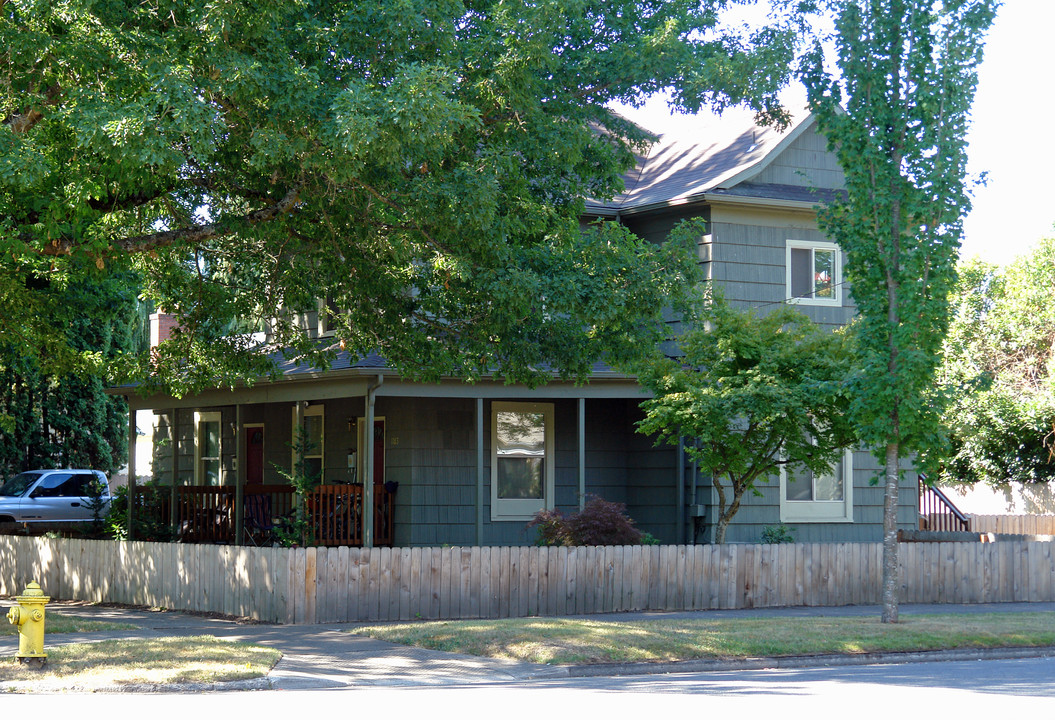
pixel 67 420
pixel 600 522
pixel 423 162
pixel 151 520
pixel 896 115
pixel 751 393
pixel 997 372
pixel 296 529
pixel 777 534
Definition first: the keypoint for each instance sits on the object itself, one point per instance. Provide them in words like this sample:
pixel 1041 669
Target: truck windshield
pixel 18 485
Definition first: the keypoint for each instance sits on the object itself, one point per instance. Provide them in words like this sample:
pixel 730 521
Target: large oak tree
pixel 420 162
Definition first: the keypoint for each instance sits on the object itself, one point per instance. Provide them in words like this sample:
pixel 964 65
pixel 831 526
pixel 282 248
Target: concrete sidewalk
pixel 324 656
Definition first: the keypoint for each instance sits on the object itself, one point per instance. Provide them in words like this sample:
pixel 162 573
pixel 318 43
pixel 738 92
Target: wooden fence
pixel 315 585
pixel 1014 524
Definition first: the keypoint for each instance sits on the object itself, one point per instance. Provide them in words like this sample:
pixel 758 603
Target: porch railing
pixel 206 514
pixel 937 512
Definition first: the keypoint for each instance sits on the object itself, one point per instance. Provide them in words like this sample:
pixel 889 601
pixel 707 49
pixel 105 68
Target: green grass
pixel 202 659
pixel 55 623
pixel 567 641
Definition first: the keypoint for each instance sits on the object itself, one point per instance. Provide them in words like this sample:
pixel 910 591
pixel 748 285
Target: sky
pixel 1010 137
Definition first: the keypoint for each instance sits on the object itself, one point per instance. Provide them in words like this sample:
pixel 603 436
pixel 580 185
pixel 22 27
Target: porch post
pixel 239 476
pixel 131 471
pixel 479 471
pixel 582 453
pixel 298 428
pixel 368 469
pixel 174 446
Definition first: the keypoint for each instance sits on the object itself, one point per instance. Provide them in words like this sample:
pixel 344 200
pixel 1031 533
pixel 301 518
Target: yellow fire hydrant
pixel 28 617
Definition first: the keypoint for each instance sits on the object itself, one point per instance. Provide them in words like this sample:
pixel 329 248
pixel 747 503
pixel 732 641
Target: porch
pixel 257 514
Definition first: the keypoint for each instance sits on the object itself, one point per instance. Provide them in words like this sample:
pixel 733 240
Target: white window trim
pixel 522 510
pixel 805 511
pixel 311 411
pixel 837 272
pixel 199 418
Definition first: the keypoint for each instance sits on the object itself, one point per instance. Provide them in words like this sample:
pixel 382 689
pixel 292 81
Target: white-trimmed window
pixel 327 316
pixel 814 273
pixel 521 459
pixel 313 434
pixel 809 497
pixel 208 444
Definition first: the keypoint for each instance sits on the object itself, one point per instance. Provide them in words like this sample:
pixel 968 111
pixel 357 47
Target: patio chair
pixel 257 521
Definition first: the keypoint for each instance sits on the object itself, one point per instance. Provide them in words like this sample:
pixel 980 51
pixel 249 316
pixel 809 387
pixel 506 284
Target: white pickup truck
pixel 53 496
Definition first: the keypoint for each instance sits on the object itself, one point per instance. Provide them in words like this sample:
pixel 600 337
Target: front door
pixel 254 454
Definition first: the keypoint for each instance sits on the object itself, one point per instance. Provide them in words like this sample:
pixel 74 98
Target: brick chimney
pixel 161 327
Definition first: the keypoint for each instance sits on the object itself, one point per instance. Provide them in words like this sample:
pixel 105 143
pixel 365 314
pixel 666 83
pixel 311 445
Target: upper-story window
pixel 327 316
pixel 814 273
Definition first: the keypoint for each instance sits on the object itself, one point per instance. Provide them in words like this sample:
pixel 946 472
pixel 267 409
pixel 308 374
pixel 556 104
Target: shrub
pixel 777 534
pixel 599 523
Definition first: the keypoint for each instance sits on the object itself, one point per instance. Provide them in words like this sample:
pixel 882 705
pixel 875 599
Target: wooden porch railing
pixel 937 512
pixel 206 514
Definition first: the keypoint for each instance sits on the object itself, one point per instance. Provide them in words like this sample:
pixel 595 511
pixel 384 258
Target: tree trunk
pixel 890 545
pixel 719 530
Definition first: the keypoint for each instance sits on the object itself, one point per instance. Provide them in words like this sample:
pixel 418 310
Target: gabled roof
pixel 679 168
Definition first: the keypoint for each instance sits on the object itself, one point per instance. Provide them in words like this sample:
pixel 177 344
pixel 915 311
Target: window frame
pixel 519 509
pixel 836 300
pixel 199 457
pixel 814 511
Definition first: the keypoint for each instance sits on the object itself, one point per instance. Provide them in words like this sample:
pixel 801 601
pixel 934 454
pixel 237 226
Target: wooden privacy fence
pixel 314 585
pixel 1014 524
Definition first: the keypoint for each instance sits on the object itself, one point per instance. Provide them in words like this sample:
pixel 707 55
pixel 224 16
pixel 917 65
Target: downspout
pixel 368 463
pixel 694 501
pixel 679 530
pixel 582 453
pixel 479 471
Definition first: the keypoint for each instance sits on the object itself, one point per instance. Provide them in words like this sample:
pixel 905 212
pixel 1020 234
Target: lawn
pixel 94 665
pixel 576 641
pixel 55 623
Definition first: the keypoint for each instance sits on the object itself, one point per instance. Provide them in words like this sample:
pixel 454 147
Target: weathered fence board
pixel 314 585
pixel 1013 524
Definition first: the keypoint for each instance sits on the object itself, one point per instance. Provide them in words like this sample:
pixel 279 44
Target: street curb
pixel 808 661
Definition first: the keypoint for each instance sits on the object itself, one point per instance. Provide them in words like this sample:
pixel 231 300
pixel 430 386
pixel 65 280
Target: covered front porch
pixel 435 465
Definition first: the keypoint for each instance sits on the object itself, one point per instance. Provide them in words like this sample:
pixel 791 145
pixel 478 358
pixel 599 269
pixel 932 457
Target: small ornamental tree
pixel 751 394
pixel 896 114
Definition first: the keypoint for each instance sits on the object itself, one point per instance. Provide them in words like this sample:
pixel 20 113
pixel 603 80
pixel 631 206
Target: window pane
pixel 519 478
pixel 313 467
pixel 801 272
pixel 210 472
pixel 824 273
pixel 830 486
pixel 521 452
pixel 800 485
pixel 210 434
pixel 313 434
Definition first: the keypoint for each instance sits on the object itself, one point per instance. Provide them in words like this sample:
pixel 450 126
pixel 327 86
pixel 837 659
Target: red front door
pixel 254 455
